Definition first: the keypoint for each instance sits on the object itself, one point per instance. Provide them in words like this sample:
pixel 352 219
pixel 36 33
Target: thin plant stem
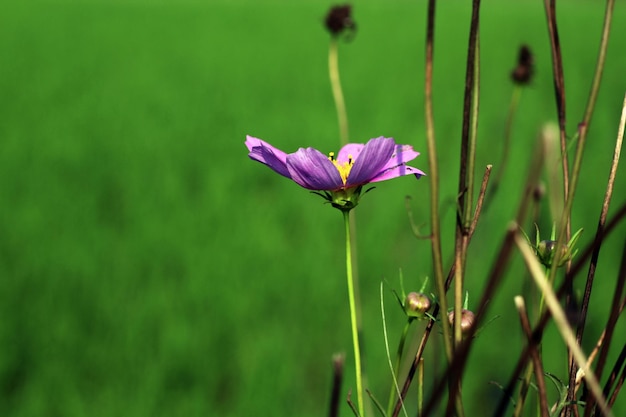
pixel 600 231
pixel 433 175
pixel 353 315
pixel 559 89
pixel 338 362
pixel 618 383
pixel 596 350
pixel 493 281
pixel 608 17
pixel 597 78
pixel 466 190
pixel 481 198
pixel 396 369
pixel 431 323
pixel 536 358
pixel 335 83
pixel 523 390
pixel 468 156
pixel 418 356
pixel 559 86
pixel 420 387
pixel 561 321
pixel 531 367
pixel 613 316
pixel 342 118
pixel 508 129
pixel 581 260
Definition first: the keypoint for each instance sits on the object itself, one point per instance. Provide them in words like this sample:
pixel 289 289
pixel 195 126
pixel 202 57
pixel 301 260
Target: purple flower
pixel 338 178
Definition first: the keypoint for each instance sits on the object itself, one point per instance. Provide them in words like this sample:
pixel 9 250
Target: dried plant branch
pixel 596 350
pixel 594 256
pixel 534 353
pixel 434 176
pixel 493 280
pixel 559 86
pixel 338 363
pixel 581 260
pixel 611 322
pixel 481 199
pixel 618 384
pixel 561 321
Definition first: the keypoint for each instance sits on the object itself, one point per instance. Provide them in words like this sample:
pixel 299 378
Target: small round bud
pixel 467 320
pixel 416 304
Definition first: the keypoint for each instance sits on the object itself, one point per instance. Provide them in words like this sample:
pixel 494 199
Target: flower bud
pixel 467 320
pixel 416 304
pixel 546 251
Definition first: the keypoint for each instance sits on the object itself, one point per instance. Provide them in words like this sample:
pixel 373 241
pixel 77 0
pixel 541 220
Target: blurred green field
pixel 149 268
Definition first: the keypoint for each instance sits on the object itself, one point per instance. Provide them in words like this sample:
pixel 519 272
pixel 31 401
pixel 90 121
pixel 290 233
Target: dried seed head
pixel 339 19
pixel 538 192
pixel 523 72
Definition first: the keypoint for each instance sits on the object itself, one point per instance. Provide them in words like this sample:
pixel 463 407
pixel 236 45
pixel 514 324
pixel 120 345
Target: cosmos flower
pixel 338 178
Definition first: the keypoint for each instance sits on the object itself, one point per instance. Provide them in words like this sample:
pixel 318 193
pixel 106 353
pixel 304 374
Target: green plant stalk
pixel 396 369
pixel 353 315
pixel 335 83
pixel 342 117
pixel 395 388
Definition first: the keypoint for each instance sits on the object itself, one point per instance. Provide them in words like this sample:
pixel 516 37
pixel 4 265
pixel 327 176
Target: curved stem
pixel 353 315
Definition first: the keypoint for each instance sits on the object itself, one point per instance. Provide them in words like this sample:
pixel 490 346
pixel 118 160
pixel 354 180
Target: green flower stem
pixel 396 369
pixel 353 315
pixel 335 83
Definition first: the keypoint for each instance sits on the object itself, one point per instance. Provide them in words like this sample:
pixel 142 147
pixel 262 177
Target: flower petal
pixel 313 170
pixel 351 150
pixel 267 154
pixel 401 155
pixel 372 159
pixel 398 171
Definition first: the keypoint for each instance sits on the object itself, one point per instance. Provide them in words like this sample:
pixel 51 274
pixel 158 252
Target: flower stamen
pixel 344 169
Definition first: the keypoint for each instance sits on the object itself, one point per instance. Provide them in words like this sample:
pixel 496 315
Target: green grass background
pixel 149 268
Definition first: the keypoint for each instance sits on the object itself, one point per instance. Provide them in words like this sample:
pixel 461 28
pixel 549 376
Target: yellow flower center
pixel 344 169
